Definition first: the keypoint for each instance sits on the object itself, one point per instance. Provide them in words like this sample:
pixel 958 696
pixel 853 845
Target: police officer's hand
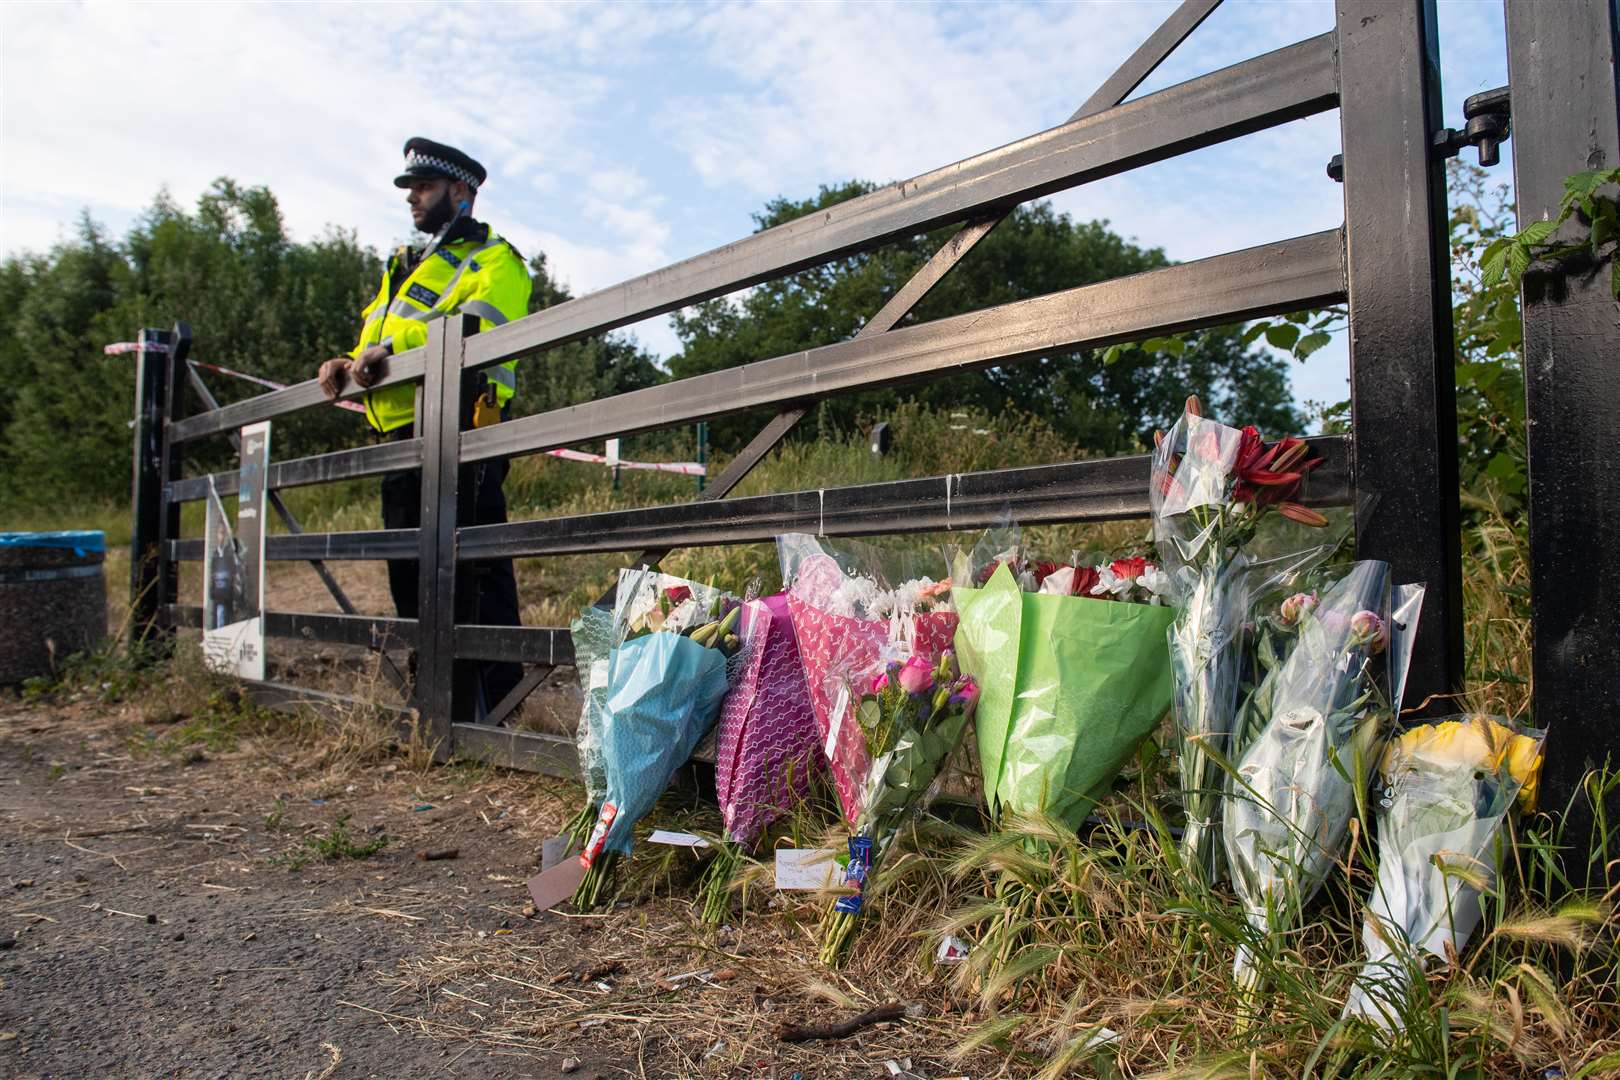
pixel 372 366
pixel 332 376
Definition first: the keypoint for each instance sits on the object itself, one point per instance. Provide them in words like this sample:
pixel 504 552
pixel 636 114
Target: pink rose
pixel 1297 606
pixel 1366 628
pixel 880 683
pixel 917 676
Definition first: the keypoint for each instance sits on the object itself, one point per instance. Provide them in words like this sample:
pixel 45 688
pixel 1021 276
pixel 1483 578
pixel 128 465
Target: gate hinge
pixel 1488 119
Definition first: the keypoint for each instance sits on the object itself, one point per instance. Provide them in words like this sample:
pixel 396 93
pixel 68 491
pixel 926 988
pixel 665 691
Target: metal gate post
pixel 1403 383
pixel 1566 119
pixel 438 420
pixel 153 577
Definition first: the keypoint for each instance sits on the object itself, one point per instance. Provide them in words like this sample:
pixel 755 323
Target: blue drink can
pixel 860 864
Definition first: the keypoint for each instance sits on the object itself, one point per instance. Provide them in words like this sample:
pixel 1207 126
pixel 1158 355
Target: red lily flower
pixel 1269 474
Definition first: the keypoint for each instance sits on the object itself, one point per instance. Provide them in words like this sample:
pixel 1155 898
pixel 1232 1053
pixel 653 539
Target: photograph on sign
pixel 233 567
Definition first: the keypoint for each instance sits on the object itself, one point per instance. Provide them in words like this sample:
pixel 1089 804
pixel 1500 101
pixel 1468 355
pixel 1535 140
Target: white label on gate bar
pixel 807 869
pixel 676 839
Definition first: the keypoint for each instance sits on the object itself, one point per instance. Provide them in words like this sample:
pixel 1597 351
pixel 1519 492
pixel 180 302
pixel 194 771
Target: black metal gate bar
pixel 1096 489
pixel 1284 276
pixel 371 631
pixel 151 573
pixel 301 547
pixel 1403 386
pixel 386 457
pixel 438 421
pixel 403 367
pixel 1566 119
pixel 548 645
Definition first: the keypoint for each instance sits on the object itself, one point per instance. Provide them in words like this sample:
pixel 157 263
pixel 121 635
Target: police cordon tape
pixel 683 468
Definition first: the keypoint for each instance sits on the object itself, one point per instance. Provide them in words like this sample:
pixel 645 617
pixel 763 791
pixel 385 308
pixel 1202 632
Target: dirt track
pixel 148 933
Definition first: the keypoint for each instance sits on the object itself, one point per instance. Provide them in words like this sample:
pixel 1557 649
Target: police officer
pixel 465 269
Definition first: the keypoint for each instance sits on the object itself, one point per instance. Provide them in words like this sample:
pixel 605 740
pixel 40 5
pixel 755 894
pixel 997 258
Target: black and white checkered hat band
pixel 449 168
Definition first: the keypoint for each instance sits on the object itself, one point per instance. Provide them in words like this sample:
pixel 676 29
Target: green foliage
pixel 1491 443
pixel 1106 405
pixel 335 845
pixel 1509 257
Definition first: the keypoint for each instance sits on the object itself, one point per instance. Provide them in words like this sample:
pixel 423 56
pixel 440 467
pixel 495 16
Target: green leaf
pixel 1254 331
pixel 1580 184
pixel 1175 346
pixel 1283 336
pixel 1298 317
pixel 1310 343
pixel 1508 471
pixel 1518 262
pixel 1604 228
pixel 1536 232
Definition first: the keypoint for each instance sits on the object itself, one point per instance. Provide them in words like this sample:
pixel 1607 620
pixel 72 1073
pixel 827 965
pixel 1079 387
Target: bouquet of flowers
pixel 768 748
pixel 673 643
pixel 1212 488
pixel 592 634
pixel 847 603
pixel 911 715
pixel 1308 742
pixel 1072 668
pixel 1446 788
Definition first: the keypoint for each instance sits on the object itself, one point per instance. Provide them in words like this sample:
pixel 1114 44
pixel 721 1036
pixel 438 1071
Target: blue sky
pixel 622 137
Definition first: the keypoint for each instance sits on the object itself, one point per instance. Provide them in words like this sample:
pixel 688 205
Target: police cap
pixel 429 160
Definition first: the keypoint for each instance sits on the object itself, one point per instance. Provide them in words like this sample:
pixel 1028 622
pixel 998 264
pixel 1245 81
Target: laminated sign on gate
pixel 233 567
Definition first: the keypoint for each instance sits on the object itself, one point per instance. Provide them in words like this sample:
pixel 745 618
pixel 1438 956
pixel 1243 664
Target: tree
pixel 1107 407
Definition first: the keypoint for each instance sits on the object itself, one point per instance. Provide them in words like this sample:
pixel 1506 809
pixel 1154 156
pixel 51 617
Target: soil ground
pixel 157 923
pixel 155 935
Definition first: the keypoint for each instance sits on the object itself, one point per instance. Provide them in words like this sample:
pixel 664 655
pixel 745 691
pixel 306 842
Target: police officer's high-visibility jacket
pixel 475 273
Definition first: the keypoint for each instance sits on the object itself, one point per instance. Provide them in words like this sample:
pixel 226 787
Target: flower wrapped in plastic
pixel 1212 488
pixel 768 747
pixel 911 714
pixel 847 602
pixel 1446 789
pixel 1072 671
pixel 1308 741
pixel 592 634
pixel 675 644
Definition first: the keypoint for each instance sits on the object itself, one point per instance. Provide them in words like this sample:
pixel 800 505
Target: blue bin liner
pixel 80 541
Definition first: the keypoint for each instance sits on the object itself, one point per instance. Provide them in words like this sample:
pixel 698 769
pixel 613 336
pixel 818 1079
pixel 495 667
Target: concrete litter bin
pixel 53 600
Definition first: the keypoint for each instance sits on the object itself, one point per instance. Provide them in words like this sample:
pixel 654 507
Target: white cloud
pixel 105 104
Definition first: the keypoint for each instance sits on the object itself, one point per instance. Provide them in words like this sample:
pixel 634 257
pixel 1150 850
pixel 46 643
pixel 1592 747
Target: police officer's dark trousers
pixel 486 592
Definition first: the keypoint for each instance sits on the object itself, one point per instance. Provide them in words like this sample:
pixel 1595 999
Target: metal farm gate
pixel 1388 263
